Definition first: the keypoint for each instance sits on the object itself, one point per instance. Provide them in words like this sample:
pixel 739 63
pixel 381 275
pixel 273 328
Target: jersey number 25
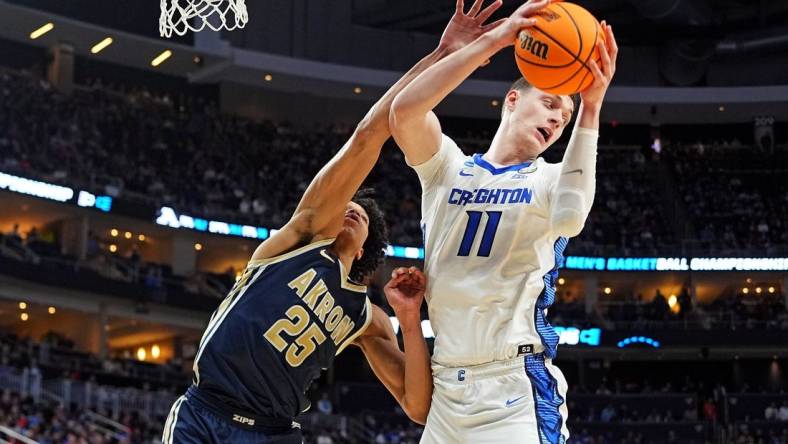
pixel 307 341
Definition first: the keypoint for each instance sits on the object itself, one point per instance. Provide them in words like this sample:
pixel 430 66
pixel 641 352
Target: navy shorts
pixel 193 422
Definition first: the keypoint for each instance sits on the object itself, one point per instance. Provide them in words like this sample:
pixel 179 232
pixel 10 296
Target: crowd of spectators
pixel 143 280
pixel 737 199
pixel 185 154
pixel 50 422
pixel 626 408
pixel 740 310
pixel 627 218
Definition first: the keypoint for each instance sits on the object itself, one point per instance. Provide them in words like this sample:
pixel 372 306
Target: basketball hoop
pixel 180 16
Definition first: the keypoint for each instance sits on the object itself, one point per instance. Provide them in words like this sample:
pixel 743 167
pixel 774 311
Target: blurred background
pixel 138 174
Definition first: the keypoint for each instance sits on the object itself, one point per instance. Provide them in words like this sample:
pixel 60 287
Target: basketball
pixel 554 54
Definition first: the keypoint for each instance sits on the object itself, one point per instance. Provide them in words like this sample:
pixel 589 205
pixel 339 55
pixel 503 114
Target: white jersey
pixel 491 258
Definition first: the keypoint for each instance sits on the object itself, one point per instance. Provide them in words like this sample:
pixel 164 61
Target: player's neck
pixel 505 151
pixel 346 258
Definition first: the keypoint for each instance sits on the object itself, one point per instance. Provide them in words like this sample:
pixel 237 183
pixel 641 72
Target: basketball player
pixel 298 303
pixel 495 227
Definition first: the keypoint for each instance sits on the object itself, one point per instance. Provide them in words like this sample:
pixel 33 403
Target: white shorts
pixel 522 400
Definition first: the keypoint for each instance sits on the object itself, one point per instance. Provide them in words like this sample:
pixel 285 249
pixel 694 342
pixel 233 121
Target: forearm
pixel 574 192
pixel 407 375
pixel 418 375
pixel 425 92
pixel 387 362
pixel 339 180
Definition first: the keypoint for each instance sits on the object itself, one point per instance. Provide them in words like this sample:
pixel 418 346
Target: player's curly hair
pixel 377 239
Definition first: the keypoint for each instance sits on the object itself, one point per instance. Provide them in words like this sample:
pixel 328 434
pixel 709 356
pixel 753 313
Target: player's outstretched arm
pixel 574 192
pixel 338 181
pixel 335 184
pixel 413 124
pixel 406 375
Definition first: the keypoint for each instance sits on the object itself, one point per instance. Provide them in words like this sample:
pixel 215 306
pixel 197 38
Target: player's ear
pixel 511 99
pixel 359 253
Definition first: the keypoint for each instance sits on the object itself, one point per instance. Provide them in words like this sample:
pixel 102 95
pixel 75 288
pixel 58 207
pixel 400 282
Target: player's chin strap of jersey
pixel 235 416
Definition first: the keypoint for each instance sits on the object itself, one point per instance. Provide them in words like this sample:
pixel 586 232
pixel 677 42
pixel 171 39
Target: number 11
pixel 474 218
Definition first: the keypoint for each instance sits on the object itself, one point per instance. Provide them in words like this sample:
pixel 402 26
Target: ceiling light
pixel 98 47
pixel 42 30
pixel 161 58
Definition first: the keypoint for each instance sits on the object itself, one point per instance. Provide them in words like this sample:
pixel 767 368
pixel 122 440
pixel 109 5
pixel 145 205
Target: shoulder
pixel 448 156
pixel 314 249
pixel 549 171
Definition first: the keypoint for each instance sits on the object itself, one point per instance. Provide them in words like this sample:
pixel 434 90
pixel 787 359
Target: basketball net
pixel 181 16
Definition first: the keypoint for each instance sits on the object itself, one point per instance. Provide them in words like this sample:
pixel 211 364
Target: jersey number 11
pixel 474 219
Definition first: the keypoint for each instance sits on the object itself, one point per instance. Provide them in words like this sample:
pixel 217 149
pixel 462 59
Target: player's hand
pixel 405 290
pixel 504 32
pixel 464 28
pixel 603 75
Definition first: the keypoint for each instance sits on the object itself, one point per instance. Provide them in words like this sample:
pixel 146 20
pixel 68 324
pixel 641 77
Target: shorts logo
pixel 511 402
pixel 461 375
pixel 243 420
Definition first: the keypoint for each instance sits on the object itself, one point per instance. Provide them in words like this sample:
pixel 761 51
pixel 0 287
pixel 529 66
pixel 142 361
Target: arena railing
pixel 107 425
pixel 15 436
pixel 87 395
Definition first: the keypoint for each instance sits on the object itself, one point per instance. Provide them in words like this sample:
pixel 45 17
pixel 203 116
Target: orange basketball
pixel 554 54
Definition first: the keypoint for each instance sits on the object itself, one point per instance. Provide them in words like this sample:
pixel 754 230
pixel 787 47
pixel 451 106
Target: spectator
pixel 709 410
pixel 782 415
pixel 771 412
pixel 608 414
pixel 324 404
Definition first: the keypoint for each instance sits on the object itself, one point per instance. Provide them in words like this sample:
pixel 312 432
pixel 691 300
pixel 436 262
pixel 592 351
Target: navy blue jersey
pixel 282 323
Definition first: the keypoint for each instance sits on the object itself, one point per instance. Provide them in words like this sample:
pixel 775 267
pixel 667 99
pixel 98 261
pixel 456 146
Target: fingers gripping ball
pixel 554 55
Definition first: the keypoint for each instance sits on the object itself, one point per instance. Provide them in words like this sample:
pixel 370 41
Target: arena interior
pixel 132 194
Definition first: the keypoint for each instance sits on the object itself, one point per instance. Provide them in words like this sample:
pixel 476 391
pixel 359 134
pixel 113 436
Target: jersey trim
pixel 327 256
pixel 477 159
pixel 346 283
pixel 367 321
pixel 296 252
pixel 172 419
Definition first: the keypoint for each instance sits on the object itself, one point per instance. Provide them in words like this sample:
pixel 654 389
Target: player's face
pixel 537 118
pixel 355 225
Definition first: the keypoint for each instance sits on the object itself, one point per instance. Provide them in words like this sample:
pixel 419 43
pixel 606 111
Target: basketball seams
pixel 544 73
pixel 575 57
pixel 583 63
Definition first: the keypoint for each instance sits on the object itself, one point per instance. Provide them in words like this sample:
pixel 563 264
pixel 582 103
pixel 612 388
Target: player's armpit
pixel 287 239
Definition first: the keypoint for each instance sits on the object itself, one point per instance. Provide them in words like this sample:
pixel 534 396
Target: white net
pixel 181 16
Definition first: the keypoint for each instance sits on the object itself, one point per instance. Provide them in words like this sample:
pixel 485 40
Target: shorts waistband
pixel 236 417
pixel 481 371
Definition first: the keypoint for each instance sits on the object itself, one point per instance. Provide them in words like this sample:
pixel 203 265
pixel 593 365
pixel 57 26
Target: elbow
pixel 398 113
pixel 417 413
pixel 368 128
pixel 417 408
pixel 569 213
pixel 567 222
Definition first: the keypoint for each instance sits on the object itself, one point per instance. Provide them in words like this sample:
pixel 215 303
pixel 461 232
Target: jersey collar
pixel 477 159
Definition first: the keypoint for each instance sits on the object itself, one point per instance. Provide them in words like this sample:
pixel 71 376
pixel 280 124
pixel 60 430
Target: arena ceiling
pixel 637 22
